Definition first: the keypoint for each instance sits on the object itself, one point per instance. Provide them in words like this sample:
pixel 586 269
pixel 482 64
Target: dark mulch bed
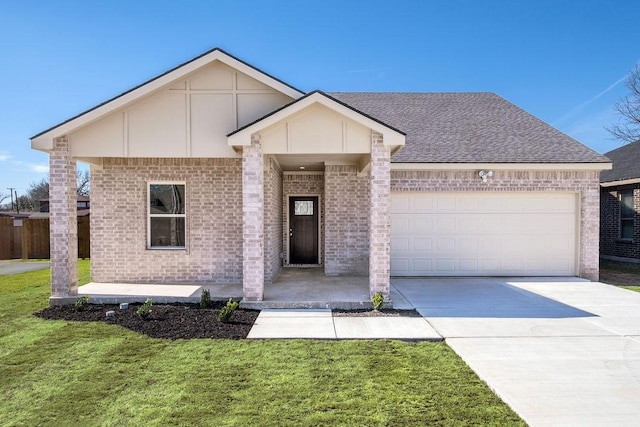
pixel 170 321
pixel 372 313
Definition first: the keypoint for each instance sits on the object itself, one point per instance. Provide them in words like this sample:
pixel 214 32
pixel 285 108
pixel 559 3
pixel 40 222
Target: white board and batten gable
pixel 186 112
pixel 316 124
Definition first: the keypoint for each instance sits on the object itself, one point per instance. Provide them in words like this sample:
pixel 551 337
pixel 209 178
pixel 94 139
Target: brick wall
pixel 63 221
pixel 253 220
pixel 346 221
pixel 303 185
pixel 379 218
pixel 214 221
pixel 585 183
pixel 610 242
pixel 272 219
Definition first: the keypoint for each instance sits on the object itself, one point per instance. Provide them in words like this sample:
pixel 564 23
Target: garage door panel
pixel 422 223
pixel 422 265
pixel 422 245
pixel 469 265
pixel 445 245
pixel 401 224
pixel 483 234
pixel 469 245
pixel 400 245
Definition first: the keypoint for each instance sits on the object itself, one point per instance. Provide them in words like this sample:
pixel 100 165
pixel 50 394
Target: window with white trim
pixel 626 214
pixel 166 219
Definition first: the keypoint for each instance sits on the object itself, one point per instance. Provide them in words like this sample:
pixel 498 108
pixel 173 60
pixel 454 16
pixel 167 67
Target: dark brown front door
pixel 303 230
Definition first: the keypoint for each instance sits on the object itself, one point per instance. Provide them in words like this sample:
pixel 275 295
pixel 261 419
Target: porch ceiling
pixel 317 162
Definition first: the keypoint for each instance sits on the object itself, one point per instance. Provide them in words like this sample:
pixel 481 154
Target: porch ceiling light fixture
pixel 485 175
pixel 302 168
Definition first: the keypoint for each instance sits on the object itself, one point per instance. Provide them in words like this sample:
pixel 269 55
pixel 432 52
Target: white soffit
pixel 620 182
pixel 391 137
pixel 44 141
pixel 501 166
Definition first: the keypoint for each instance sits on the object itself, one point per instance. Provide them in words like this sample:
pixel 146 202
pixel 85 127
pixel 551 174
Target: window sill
pixel 167 248
pixel 625 241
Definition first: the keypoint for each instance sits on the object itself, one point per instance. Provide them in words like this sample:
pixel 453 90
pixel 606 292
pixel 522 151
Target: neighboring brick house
pixel 620 205
pixel 216 172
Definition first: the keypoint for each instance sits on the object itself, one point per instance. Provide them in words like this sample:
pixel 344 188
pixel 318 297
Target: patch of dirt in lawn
pixel 170 321
pixel 613 277
pixel 615 273
pixel 373 313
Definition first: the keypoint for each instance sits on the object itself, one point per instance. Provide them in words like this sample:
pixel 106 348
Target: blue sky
pixel 563 61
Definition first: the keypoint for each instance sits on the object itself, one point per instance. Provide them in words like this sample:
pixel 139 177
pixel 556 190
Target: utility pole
pixel 11 190
pixel 17 205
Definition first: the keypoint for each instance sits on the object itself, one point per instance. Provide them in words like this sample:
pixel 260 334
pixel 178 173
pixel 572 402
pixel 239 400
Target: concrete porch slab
pixel 114 293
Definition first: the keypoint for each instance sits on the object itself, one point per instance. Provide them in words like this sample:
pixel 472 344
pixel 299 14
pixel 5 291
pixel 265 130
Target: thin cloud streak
pixel 589 101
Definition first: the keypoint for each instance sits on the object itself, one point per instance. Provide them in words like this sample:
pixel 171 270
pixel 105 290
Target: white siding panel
pixel 252 106
pixel 157 126
pixel 102 138
pixel 214 76
pixel 480 234
pixel 212 119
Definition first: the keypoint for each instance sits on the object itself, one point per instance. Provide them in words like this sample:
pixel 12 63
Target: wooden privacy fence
pixel 28 238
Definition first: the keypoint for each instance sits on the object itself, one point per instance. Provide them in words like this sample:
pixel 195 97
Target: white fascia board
pixel 501 166
pixel 391 137
pixel 45 141
pixel 620 182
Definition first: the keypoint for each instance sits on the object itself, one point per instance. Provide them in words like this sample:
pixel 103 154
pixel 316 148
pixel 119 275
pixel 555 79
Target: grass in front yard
pixel 65 373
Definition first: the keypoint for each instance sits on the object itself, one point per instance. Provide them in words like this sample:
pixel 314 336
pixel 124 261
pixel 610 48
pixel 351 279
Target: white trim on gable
pixel 44 141
pixel 242 138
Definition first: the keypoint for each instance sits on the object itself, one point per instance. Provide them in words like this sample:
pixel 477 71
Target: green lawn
pixel 64 373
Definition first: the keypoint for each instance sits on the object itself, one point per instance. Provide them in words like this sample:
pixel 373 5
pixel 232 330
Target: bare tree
pixel 39 190
pixel 83 183
pixel 628 129
pixel 3 197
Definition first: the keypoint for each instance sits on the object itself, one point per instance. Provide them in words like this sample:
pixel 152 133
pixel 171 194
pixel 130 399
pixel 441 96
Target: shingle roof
pixel 468 128
pixel 626 163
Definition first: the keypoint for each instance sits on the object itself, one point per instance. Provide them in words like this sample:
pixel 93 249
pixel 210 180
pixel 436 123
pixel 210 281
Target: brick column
pixel 379 217
pixel 253 221
pixel 63 221
pixel 590 231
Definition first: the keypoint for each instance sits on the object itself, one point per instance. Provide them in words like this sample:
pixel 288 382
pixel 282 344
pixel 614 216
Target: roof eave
pixel 618 182
pixel 591 166
pixel 43 141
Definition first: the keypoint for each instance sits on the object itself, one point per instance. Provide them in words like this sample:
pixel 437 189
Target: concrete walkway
pixel 558 351
pixel 321 324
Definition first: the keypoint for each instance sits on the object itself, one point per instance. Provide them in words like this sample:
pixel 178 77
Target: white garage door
pixel 483 234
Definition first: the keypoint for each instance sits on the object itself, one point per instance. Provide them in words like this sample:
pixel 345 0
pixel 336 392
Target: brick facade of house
pixel 346 221
pixel 584 183
pixel 119 209
pixel 272 219
pixel 611 245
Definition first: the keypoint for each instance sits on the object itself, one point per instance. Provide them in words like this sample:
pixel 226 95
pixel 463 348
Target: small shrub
pixel 80 303
pixel 145 309
pixel 227 311
pixel 205 298
pixel 377 300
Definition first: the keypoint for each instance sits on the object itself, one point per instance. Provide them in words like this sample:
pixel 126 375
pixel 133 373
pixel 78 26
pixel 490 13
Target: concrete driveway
pixel 560 351
pixel 10 267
